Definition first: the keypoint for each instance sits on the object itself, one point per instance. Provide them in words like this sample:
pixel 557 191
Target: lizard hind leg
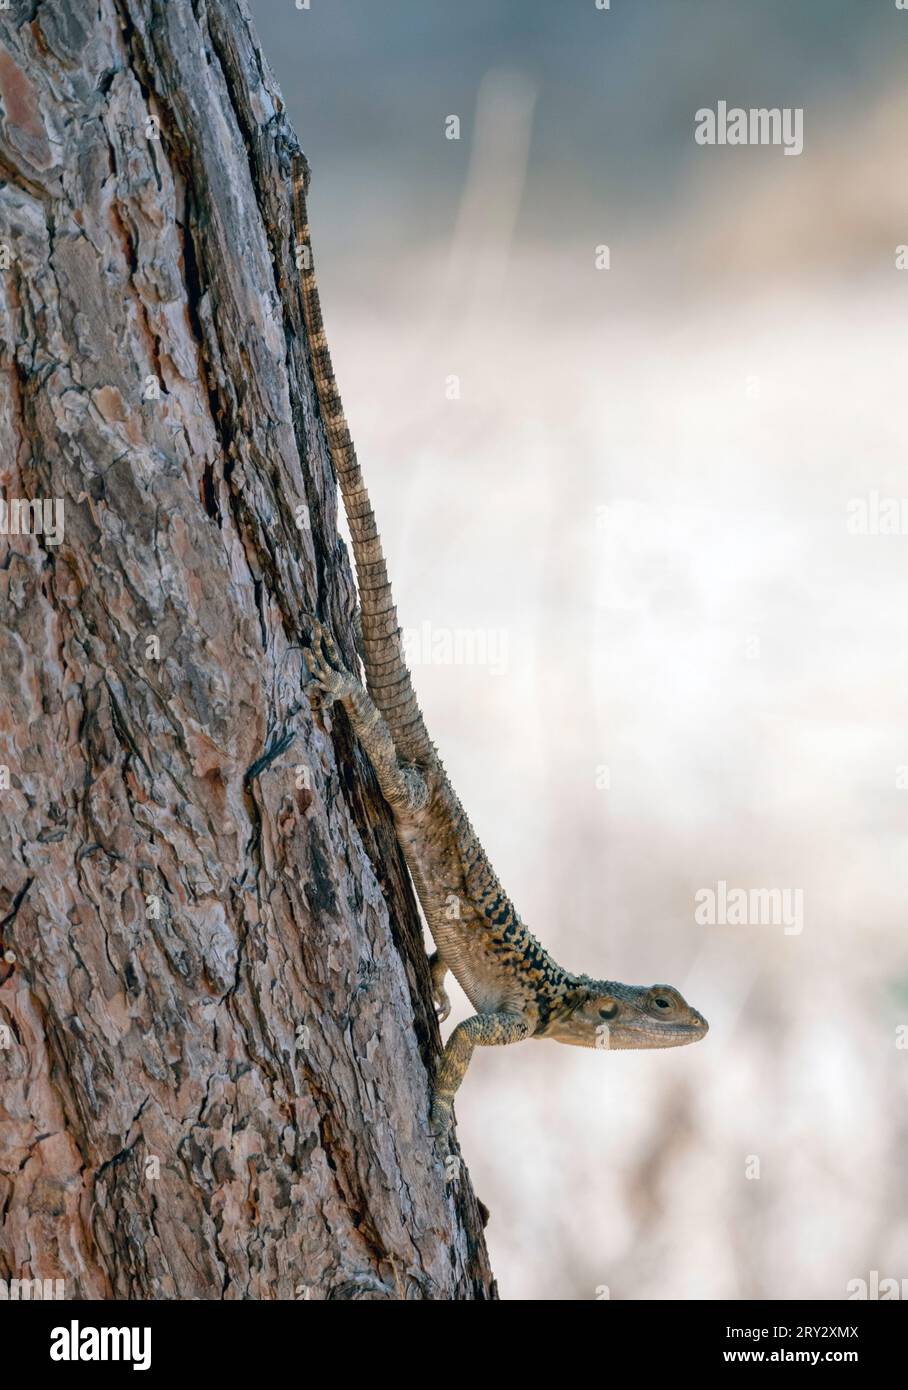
pixel 403 786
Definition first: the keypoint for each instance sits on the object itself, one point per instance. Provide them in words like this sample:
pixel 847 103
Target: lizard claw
pixel 440 1123
pixel 437 972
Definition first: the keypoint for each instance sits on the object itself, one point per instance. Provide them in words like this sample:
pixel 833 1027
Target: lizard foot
pixel 438 970
pixel 442 1003
pixel 326 670
pixel 440 1120
pixel 440 1129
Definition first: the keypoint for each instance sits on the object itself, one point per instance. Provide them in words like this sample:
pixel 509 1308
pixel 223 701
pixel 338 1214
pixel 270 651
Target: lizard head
pixel 612 1016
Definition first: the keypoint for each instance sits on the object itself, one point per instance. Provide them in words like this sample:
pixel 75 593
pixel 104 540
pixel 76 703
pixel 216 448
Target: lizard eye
pixel 662 1004
pixel 609 1012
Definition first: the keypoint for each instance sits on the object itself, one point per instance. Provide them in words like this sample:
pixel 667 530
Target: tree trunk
pixel 215 1016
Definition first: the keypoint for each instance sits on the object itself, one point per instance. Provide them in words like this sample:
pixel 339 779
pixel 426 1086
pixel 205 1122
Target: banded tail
pixel 387 676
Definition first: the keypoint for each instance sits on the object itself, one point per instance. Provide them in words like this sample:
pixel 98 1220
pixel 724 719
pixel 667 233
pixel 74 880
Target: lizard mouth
pixel 667 1034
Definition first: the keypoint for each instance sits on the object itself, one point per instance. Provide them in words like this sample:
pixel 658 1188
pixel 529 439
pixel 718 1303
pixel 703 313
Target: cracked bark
pixel 215 1019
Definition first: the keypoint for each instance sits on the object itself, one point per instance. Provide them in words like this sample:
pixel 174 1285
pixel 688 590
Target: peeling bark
pixel 215 1016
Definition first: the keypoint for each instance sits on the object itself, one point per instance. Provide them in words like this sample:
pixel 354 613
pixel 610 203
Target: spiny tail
pixel 387 676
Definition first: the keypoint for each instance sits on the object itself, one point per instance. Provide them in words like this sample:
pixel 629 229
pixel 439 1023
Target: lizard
pixel 516 988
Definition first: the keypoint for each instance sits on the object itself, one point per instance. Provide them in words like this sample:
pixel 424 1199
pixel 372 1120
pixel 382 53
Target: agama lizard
pixel 516 988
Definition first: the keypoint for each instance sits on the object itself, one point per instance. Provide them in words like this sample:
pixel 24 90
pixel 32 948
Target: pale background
pixel 648 468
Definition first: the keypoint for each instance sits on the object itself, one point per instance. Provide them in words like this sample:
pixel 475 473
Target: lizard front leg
pixel 482 1030
pixel 402 785
pixel 438 970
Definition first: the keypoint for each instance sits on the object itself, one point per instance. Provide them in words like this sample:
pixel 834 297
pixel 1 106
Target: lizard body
pixel 516 988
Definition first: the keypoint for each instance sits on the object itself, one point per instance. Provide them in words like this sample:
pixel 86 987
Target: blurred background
pixel 653 645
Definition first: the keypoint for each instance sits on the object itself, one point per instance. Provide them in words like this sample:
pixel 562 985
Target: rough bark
pixel 213 986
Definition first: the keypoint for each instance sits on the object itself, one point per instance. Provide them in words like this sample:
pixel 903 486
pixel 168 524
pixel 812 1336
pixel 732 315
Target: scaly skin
pixel 516 988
